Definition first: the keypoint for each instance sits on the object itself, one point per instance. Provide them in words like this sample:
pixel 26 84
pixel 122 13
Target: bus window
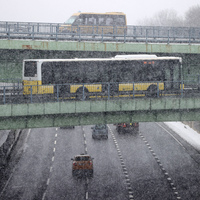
pixel 79 22
pixel 91 21
pixel 119 21
pixel 30 69
pixel 85 20
pixel 71 20
pixel 109 21
pixel 101 21
pixel 47 73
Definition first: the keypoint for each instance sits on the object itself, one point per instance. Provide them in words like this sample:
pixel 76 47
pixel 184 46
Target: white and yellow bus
pixel 137 75
pixel 96 23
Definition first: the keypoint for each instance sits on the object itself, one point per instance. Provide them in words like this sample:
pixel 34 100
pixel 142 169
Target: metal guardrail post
pixel 189 36
pixel 168 36
pixel 181 89
pixel 31 93
pixel 51 29
pixel 79 31
pixel 33 32
pixel 83 92
pixel 8 32
pixel 38 30
pixel 146 35
pixel 57 93
pixel 4 95
pixel 198 82
pixel 133 90
pixel 108 91
pixel 102 35
pixel 158 91
pixel 125 35
pixel 57 28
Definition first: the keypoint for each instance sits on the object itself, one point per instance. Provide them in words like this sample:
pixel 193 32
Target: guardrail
pixel 13 94
pixel 52 31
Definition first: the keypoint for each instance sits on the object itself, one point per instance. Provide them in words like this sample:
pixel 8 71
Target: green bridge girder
pixel 100 46
pixel 76 113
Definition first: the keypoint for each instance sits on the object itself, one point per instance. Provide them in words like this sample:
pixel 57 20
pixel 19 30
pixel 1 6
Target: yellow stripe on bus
pixel 90 88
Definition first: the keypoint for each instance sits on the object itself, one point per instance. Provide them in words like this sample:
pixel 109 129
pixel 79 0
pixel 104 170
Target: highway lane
pixel 164 168
pixel 107 182
pixel 28 180
pixel 68 143
pixel 177 156
pixel 149 165
pixel 146 179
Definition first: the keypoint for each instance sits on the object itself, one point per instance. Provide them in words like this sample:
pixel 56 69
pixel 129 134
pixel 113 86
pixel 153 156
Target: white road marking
pixel 86 195
pixel 51 169
pixel 122 165
pixel 43 197
pixel 171 135
pixel 48 180
pixel 158 161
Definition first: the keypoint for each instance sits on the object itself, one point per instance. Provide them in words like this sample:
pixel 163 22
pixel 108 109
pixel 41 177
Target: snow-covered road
pixel 187 133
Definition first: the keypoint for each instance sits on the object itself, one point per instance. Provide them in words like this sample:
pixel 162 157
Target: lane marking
pixel 86 195
pixel 48 180
pixel 51 169
pixel 127 180
pixel 43 197
pixel 51 166
pixel 162 168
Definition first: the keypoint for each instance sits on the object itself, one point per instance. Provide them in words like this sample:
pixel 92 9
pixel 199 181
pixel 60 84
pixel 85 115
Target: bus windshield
pixel 71 20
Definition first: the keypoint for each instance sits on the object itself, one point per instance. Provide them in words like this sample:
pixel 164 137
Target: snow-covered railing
pixel 13 93
pixel 52 31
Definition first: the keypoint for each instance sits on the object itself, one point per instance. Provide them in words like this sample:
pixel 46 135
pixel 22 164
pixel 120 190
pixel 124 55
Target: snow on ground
pixel 187 133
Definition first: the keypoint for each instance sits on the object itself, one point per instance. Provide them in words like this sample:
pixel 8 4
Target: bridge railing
pixel 17 93
pixel 54 31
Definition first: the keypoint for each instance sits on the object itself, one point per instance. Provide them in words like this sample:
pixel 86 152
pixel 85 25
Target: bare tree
pixel 192 16
pixel 164 18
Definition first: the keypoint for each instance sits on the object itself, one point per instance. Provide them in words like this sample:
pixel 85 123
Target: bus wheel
pixel 152 91
pixel 79 94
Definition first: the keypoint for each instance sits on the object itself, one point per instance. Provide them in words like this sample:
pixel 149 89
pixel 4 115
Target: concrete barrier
pixel 7 141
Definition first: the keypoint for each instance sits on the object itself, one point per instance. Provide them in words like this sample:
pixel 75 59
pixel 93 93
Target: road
pixel 152 164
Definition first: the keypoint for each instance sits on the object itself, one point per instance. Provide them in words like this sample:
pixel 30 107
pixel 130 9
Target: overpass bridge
pixel 57 109
pixel 76 113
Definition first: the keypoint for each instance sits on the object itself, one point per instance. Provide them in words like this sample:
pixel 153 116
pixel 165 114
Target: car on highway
pixel 127 127
pixel 82 165
pixel 100 131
